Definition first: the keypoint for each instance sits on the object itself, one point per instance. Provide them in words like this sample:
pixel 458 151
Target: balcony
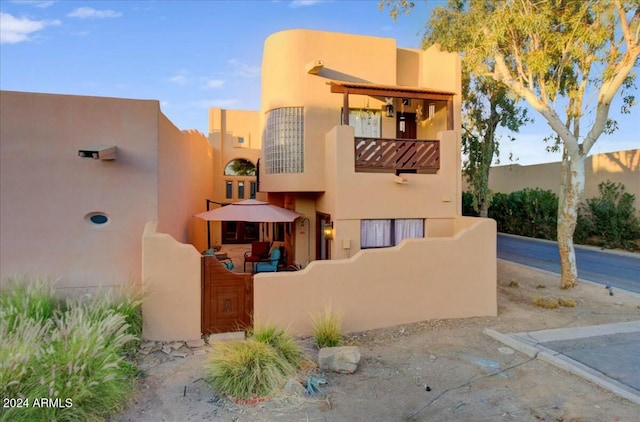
pixel 392 155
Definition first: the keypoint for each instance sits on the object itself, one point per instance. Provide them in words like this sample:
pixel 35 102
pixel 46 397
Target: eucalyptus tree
pixel 567 58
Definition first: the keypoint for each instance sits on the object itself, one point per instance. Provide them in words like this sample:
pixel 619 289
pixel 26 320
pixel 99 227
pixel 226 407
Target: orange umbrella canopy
pixel 250 210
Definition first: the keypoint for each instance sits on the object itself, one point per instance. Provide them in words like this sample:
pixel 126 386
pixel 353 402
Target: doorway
pixel 323 247
pixel 406 127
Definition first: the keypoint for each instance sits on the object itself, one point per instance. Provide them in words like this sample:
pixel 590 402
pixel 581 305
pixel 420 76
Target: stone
pixel 343 360
pixel 175 345
pixel 179 355
pixel 195 343
pixel 199 351
pixel 167 350
pixel 505 350
pixel 294 388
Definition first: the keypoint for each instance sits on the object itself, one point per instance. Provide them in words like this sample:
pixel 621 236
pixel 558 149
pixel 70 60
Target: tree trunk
pixel 484 210
pixel 571 191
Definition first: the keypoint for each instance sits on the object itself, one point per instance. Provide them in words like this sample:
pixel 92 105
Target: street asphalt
pixel 609 354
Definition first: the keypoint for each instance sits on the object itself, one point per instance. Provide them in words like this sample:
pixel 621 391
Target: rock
pixel 294 388
pixel 176 345
pixel 195 343
pixel 343 359
pixel 179 354
pixel 505 350
pixel 199 351
pixel 167 350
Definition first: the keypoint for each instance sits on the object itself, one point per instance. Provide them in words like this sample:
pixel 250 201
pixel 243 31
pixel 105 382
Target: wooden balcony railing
pixel 389 155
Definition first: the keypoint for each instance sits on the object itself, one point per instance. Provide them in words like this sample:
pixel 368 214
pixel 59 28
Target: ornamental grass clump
pixel 74 357
pixel 31 299
pixel 246 369
pixel 327 328
pixel 283 343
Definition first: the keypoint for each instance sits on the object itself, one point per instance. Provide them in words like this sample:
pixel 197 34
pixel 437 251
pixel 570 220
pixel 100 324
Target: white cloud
pixel 214 83
pixel 220 102
pixel 244 70
pixel 15 30
pixel 179 78
pixel 90 13
pixel 303 3
pixel 36 3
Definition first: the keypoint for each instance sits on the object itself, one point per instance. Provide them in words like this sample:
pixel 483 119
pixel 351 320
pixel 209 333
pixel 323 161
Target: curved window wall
pixel 283 141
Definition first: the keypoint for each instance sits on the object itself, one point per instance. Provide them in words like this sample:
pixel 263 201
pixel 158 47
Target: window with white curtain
pixel 366 123
pixel 389 232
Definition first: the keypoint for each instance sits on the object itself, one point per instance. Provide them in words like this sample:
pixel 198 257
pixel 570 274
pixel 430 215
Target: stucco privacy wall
pixel 620 166
pixel 171 281
pixel 185 180
pixel 47 190
pixel 418 280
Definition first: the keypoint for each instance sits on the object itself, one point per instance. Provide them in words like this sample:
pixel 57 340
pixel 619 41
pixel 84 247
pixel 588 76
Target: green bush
pixel 73 352
pixel 611 217
pixel 245 369
pixel 284 345
pixel 529 212
pixel 467 205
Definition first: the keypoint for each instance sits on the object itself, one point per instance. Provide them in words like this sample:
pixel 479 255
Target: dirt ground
pixel 471 377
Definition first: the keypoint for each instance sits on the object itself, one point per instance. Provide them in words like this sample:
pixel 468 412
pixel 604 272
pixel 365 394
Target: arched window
pixel 240 167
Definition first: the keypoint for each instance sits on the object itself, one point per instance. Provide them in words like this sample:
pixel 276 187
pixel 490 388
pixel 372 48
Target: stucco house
pixel 359 136
pixel 363 139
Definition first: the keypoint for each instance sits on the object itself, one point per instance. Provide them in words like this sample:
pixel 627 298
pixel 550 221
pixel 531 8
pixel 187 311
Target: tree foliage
pixel 567 58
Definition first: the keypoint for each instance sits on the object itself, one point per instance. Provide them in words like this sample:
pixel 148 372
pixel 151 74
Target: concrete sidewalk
pixel 607 355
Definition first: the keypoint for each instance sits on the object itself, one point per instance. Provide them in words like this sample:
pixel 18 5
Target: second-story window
pixel 229 190
pixel 284 140
pixel 240 190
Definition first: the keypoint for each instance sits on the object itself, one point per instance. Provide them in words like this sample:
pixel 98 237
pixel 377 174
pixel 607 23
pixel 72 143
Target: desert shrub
pixel 327 329
pixel 611 217
pixel 65 351
pixel 283 343
pixel 546 302
pixel 246 369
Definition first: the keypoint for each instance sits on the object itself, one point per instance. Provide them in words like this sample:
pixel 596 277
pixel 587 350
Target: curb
pixel 563 362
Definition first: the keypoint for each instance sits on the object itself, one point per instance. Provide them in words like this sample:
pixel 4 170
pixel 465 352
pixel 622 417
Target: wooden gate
pixel 227 298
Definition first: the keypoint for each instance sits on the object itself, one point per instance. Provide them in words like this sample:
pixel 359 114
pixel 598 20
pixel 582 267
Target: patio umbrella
pixel 250 210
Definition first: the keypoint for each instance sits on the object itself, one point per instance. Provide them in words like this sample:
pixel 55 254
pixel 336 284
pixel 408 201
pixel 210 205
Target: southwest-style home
pixel 360 137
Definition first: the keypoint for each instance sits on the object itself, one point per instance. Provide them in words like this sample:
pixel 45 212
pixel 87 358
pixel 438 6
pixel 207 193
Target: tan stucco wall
pixel 352 196
pixel 160 174
pixel 620 166
pixel 185 160
pixel 46 189
pixel 447 277
pixel 171 282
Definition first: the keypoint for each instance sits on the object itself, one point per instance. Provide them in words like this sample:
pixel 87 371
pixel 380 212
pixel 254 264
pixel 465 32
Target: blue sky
pixel 192 55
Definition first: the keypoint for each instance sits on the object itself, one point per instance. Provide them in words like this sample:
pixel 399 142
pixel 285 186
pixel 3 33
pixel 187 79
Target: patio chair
pixel 272 262
pixel 259 252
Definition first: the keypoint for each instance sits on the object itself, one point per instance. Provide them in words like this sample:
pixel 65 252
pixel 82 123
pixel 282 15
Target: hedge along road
pixel 616 269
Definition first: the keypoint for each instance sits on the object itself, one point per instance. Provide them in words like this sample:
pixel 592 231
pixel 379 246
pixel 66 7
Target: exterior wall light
pixel 388 107
pixel 328 231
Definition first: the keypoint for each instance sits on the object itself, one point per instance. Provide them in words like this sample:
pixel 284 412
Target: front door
pixel 406 127
pixel 323 247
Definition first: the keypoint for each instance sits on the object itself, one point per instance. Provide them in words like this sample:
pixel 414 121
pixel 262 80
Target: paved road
pixel 617 270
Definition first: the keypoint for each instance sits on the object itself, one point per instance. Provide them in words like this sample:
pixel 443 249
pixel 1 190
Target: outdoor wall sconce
pixel 388 107
pixel 403 124
pixel 328 231
pixel 99 152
